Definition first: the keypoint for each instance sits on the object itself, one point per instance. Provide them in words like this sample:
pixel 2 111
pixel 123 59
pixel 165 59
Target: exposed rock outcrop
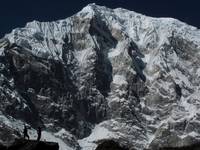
pixel 21 144
pixel 110 145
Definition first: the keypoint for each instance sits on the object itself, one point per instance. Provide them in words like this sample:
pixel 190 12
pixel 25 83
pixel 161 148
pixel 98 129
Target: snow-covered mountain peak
pixel 144 30
pixel 133 75
pixel 130 20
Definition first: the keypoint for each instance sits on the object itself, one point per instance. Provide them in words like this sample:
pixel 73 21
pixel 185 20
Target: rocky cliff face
pixel 21 144
pixel 104 74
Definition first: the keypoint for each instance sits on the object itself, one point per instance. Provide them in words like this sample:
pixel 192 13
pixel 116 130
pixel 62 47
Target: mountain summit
pixel 103 74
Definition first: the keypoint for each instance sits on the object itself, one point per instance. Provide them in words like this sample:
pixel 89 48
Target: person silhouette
pixel 39 132
pixel 26 132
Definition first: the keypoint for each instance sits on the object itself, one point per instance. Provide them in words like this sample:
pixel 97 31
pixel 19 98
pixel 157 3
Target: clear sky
pixel 16 13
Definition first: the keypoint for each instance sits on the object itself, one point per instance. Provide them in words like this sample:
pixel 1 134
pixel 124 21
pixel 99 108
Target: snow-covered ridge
pixel 46 38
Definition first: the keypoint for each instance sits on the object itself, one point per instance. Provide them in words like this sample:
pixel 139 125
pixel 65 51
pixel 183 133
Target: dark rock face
pixel 190 147
pixel 21 144
pixel 8 135
pixel 43 84
pixel 110 145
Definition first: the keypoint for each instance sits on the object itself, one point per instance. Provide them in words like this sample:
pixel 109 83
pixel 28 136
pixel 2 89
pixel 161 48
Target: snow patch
pixel 47 136
pixel 82 56
pixel 119 80
pixel 98 133
pixel 117 51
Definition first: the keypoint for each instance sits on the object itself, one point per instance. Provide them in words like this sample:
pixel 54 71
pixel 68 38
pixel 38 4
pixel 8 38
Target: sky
pixel 16 13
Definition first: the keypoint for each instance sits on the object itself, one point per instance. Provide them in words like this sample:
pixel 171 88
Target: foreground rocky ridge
pixel 134 77
pixel 21 144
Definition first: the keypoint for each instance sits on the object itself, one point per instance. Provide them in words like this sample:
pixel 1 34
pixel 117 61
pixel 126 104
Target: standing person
pixel 39 132
pixel 26 132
